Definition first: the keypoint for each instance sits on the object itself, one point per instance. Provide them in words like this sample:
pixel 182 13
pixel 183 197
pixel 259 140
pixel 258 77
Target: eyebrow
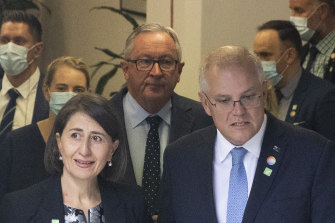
pixel 93 132
pixel 247 91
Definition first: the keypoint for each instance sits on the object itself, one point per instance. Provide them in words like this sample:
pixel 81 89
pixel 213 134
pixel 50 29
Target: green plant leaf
pixel 129 18
pixel 109 52
pixel 104 80
pixel 97 67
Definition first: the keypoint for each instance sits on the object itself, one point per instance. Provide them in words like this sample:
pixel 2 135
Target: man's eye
pixel 166 62
pixel 223 101
pixel 145 62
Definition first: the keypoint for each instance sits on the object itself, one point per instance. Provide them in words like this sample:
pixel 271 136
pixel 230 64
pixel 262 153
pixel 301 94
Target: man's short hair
pixel 227 57
pixel 287 32
pixel 150 28
pixel 16 16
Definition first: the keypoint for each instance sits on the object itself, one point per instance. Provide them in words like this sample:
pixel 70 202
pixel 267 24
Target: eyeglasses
pixel 247 101
pixel 147 64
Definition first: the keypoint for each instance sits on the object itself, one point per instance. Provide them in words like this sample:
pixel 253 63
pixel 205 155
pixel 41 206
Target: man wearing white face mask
pixel 21 97
pixel 315 21
pixel 304 99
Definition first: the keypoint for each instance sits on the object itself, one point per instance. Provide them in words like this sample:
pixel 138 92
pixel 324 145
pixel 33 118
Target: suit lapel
pixel 41 107
pixel 181 118
pixel 52 206
pixel 299 96
pixel 274 144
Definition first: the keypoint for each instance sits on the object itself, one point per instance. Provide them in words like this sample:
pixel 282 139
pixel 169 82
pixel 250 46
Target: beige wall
pixel 202 25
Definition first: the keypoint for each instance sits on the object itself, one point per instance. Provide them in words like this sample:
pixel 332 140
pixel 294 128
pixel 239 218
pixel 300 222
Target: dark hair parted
pixel 72 62
pixel 16 16
pixel 99 110
pixel 287 33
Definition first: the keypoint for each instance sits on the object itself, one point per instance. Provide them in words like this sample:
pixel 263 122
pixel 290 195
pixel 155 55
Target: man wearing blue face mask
pixel 315 21
pixel 304 99
pixel 21 97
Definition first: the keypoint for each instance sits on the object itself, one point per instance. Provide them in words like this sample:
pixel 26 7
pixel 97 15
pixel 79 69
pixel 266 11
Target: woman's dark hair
pixel 99 110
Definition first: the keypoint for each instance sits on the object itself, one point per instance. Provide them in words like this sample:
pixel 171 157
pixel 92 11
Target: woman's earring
pixel 109 163
pixel 60 157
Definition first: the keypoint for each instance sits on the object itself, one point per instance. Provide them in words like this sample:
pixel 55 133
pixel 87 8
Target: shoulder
pixel 317 86
pixel 117 97
pixel 187 103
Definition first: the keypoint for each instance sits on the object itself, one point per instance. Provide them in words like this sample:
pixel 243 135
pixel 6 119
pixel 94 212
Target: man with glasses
pixel 315 21
pixel 152 115
pixel 250 167
pixel 304 99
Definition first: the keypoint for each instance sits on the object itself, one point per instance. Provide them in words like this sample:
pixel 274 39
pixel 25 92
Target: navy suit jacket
pixel 186 116
pixel 41 106
pixel 43 202
pixel 300 189
pixel 313 105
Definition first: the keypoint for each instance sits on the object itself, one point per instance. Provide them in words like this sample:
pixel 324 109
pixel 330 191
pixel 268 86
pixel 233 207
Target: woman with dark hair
pixel 79 155
pixel 22 151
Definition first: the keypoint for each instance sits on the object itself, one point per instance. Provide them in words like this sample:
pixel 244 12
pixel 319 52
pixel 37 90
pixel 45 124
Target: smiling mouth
pixel 83 164
pixel 239 123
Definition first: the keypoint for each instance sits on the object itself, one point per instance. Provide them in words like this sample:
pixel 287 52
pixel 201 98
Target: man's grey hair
pixel 149 28
pixel 227 57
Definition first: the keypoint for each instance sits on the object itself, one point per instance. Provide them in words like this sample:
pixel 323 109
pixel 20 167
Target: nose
pixel 156 70
pixel 85 147
pixel 238 108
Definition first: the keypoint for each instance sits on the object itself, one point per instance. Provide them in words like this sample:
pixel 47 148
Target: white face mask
pixel 13 58
pixel 300 23
pixel 59 99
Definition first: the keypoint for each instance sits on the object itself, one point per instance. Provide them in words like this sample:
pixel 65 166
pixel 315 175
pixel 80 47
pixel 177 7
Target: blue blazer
pixel 300 189
pixel 43 202
pixel 41 106
pixel 186 116
pixel 313 105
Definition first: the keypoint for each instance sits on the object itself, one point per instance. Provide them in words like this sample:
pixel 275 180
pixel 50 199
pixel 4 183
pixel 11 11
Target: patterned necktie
pixel 7 119
pixel 151 170
pixel 238 187
pixel 312 55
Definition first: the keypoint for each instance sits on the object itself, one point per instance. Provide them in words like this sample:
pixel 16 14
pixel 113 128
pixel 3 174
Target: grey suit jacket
pixel 186 116
pixel 300 189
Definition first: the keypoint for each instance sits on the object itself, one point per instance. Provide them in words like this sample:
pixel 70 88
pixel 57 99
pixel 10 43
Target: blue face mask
pixel 59 99
pixel 270 70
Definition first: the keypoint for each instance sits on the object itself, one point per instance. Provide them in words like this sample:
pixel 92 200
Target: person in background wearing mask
pixel 304 99
pixel 22 151
pixel 21 96
pixel 315 21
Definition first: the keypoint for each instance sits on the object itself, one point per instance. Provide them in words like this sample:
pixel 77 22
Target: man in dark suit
pixel 249 167
pixel 315 20
pixel 20 47
pixel 152 68
pixel 304 99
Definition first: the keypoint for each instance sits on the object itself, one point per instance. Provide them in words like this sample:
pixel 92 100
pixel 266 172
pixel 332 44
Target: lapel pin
pixel 54 221
pixel 294 107
pixel 271 160
pixel 276 148
pixel 267 171
pixel 292 113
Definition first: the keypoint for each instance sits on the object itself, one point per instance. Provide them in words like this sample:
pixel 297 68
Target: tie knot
pixel 13 94
pixel 154 121
pixel 238 154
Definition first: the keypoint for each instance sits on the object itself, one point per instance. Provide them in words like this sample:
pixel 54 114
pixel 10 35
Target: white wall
pixel 202 25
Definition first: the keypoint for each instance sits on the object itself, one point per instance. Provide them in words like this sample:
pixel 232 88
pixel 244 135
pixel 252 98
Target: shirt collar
pixel 325 46
pixel 137 114
pixel 290 87
pixel 25 88
pixel 253 145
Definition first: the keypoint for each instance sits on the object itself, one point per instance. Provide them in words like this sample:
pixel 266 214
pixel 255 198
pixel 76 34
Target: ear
pixel 291 56
pixel 59 143
pixel 46 93
pixel 38 49
pixel 324 10
pixel 125 67
pixel 114 146
pixel 180 68
pixel 205 103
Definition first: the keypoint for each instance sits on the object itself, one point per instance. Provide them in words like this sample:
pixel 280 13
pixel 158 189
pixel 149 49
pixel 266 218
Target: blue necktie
pixel 238 187
pixel 8 116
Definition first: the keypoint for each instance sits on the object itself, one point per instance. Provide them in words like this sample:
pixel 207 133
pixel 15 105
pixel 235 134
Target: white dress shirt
pixel 223 164
pixel 25 103
pixel 137 130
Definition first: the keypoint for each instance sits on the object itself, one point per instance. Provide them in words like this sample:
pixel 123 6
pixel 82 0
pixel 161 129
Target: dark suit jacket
pixel 329 67
pixel 313 105
pixel 186 116
pixel 41 106
pixel 301 188
pixel 44 202
pixel 22 159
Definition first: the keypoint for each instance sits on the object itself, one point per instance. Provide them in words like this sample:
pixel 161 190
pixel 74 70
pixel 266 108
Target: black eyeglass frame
pixel 153 64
